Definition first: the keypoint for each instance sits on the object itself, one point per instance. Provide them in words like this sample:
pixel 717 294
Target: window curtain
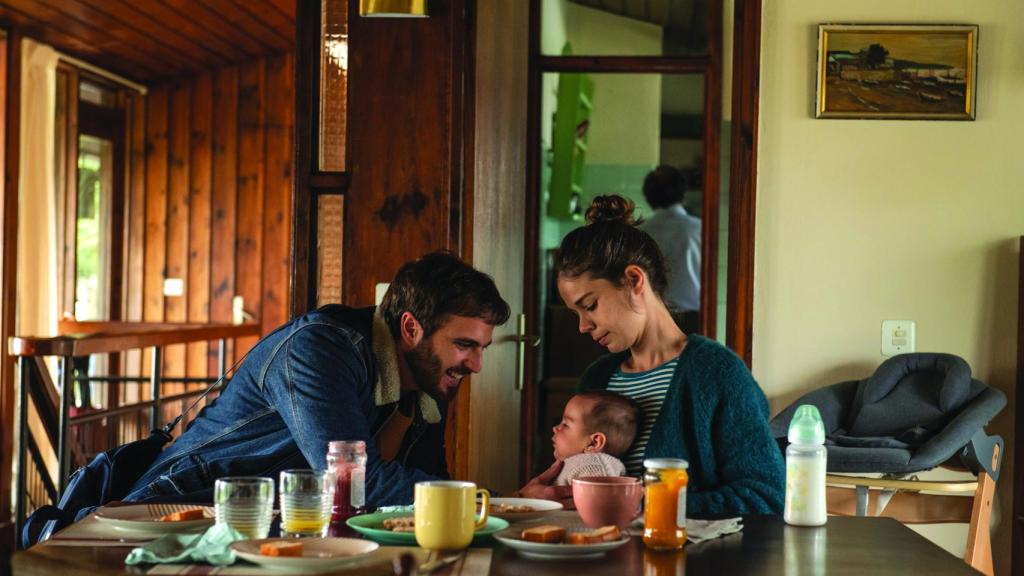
pixel 37 194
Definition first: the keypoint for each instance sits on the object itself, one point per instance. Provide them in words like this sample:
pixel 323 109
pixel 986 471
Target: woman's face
pixel 608 313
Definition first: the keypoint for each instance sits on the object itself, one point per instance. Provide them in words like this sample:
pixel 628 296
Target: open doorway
pixel 618 91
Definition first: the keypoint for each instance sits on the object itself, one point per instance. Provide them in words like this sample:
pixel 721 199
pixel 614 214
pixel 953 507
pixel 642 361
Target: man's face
pixel 454 350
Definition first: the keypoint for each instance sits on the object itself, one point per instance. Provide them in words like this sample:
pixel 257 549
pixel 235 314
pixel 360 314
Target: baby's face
pixel 570 437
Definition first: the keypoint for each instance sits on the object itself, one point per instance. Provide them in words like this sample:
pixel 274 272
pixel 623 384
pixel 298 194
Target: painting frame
pixel 897 71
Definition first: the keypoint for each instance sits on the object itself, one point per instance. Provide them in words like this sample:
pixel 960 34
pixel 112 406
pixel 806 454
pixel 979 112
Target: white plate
pixel 318 554
pixel 539 551
pixel 146 518
pixel 540 508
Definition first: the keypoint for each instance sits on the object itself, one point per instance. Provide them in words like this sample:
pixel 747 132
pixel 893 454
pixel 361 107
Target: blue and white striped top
pixel 648 389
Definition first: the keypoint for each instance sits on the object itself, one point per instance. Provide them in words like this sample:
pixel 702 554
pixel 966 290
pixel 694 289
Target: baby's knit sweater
pixel 589 464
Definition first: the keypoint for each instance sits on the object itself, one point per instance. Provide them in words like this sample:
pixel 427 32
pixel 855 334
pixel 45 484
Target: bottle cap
pixel 806 426
pixel 666 463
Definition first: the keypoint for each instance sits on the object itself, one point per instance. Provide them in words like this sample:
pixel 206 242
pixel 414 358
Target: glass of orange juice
pixel 306 498
pixel 665 503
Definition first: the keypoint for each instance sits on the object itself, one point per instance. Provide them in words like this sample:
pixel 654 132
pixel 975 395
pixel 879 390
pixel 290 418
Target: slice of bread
pixel 281 548
pixel 193 514
pixel 602 534
pixel 544 534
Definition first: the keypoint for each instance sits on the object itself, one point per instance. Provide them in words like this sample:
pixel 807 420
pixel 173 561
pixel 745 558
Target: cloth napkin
pixel 210 546
pixel 698 531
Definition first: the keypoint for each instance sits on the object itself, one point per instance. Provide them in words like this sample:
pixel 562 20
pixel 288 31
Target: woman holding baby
pixel 697 399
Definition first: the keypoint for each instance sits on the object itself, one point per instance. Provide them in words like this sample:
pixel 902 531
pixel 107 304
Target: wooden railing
pixel 53 400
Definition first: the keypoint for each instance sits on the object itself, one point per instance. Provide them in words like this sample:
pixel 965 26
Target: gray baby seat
pixel 915 412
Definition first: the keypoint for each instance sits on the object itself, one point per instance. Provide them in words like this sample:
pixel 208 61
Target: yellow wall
pixel 860 221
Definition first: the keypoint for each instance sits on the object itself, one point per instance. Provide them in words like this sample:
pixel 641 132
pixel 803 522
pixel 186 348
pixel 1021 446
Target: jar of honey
pixel 665 503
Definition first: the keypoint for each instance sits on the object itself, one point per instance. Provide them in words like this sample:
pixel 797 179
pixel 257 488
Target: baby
pixel 597 428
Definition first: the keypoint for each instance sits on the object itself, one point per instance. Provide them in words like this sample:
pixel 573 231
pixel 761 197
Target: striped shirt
pixel 648 389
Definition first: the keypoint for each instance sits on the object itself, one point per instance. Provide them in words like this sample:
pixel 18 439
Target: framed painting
pixel 920 72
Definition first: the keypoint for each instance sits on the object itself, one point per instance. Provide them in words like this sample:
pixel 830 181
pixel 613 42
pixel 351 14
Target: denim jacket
pixel 329 375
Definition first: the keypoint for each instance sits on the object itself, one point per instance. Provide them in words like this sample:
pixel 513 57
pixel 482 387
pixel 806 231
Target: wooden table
pixel 854 546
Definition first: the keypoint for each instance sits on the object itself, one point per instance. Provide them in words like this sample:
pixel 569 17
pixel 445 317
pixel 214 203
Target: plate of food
pixel 398 528
pixel 556 542
pixel 518 509
pixel 305 555
pixel 156 518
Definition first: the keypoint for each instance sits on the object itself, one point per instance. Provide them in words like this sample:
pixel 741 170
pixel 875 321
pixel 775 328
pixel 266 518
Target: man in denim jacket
pixel 383 376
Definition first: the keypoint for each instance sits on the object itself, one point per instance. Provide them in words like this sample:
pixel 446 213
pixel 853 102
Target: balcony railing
pixel 53 403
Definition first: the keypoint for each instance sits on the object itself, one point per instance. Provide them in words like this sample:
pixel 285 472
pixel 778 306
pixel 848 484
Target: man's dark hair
pixel 664 186
pixel 614 415
pixel 439 285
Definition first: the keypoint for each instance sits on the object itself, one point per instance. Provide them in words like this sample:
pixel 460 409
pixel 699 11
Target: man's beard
pixel 425 366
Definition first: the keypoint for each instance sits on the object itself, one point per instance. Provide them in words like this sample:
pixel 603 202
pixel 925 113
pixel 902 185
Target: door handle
pixel 523 340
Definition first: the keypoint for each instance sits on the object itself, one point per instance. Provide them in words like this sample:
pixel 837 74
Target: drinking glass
pixel 245 503
pixel 306 499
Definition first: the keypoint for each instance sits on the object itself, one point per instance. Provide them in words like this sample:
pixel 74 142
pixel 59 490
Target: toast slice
pixel 602 534
pixel 193 514
pixel 544 534
pixel 281 548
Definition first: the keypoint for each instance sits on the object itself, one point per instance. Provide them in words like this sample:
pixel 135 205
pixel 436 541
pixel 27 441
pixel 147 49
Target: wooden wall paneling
pixel 177 260
pixel 277 206
pixel 135 249
pixel 399 205
pixel 251 163
pixel 156 209
pixel 10 125
pixel 224 197
pixel 200 222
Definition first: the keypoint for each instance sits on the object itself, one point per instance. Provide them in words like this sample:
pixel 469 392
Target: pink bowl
pixel 607 500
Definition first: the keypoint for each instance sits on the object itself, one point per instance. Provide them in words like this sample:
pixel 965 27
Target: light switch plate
pixel 897 337
pixel 174 287
pixel 379 291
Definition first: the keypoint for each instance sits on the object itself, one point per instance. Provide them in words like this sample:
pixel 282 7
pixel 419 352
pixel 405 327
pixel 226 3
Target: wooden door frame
pixel 11 99
pixel 742 181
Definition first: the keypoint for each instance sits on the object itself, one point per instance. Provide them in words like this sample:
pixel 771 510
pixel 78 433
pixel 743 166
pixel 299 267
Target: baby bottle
pixel 805 469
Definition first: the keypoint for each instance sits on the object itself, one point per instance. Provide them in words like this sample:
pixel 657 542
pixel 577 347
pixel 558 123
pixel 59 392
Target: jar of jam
pixel 665 503
pixel 347 459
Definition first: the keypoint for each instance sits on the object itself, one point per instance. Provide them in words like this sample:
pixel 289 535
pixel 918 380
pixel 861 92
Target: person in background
pixel 678 235
pixel 380 375
pixel 698 400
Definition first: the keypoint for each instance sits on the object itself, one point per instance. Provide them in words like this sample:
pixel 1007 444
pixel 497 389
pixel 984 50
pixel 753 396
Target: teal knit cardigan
pixel 716 417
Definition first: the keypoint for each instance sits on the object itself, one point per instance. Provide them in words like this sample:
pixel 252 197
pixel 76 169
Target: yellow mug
pixel 446 514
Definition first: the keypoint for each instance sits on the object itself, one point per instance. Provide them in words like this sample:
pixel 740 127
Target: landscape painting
pixel 896 71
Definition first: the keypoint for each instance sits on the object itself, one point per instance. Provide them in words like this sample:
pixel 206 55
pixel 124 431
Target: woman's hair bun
pixel 611 208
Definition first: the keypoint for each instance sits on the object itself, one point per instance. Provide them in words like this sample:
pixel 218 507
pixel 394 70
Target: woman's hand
pixel 541 487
